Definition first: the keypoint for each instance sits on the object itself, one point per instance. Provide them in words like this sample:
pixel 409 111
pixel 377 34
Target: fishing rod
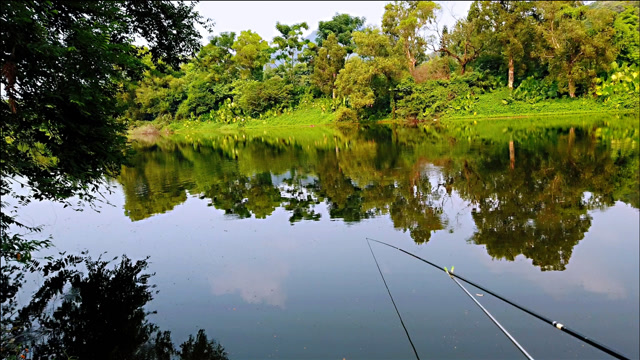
pixel 504 331
pixel 553 323
pixel 394 303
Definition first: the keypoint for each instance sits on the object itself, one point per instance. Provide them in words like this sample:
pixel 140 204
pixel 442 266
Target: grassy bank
pixel 493 105
pixel 498 104
pixel 309 116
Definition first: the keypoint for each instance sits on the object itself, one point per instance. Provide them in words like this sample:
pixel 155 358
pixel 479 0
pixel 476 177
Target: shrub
pixel 438 68
pixel 532 90
pixel 256 97
pixel 622 86
pixel 431 98
pixel 346 114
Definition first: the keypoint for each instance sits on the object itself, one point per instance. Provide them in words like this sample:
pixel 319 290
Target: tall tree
pixel 328 63
pixel 366 80
pixel 627 27
pixel 208 77
pixel 252 53
pixel 578 40
pixel 463 43
pixel 404 22
pixel 509 24
pixel 288 45
pixel 342 26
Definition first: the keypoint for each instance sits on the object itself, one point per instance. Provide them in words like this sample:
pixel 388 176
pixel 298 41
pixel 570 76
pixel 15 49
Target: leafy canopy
pixel 63 65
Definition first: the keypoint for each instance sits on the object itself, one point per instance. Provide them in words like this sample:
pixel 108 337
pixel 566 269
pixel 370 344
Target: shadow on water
pixel 530 187
pixel 92 309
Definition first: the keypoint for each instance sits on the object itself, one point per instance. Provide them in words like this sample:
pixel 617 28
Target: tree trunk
pixel 333 87
pixel 412 63
pixel 511 72
pixel 512 155
pixel 463 67
pixel 572 87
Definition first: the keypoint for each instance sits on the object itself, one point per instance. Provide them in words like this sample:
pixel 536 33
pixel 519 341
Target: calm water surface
pixel 259 237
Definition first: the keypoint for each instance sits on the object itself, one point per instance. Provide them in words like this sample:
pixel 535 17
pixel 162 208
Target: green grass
pixel 309 116
pixel 491 105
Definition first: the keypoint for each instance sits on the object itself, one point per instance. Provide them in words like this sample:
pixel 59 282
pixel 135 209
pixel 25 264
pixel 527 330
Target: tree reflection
pixel 98 313
pixel 535 204
pixel 531 187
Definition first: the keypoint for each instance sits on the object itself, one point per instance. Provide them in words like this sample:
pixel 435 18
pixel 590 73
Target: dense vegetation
pixel 509 57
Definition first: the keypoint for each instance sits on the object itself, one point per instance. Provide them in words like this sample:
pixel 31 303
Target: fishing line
pixel 553 323
pixel 394 303
pixel 504 331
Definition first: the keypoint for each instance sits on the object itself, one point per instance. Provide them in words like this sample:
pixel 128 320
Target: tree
pixel 63 65
pixel 255 97
pixel 367 81
pixel 578 42
pixel 208 77
pixel 288 46
pixel 328 63
pixel 509 24
pixel 252 53
pixel 342 26
pixel 354 83
pixel 627 37
pixel 462 44
pixel 404 21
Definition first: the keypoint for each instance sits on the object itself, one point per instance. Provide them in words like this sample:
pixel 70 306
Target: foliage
pixel 429 99
pixel 342 26
pixel 436 68
pixel 623 84
pixel 366 81
pixel 209 77
pixel 500 103
pixel 507 28
pixel 346 114
pixel 63 65
pixel 255 97
pixel 578 44
pixel 627 28
pixel 328 63
pixel 252 53
pixel 354 83
pixel 404 22
pixel 533 90
pixel 463 44
pixel 543 45
pixel 287 47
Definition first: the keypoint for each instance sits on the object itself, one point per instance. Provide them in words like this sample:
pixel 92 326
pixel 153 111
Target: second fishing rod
pixel 551 322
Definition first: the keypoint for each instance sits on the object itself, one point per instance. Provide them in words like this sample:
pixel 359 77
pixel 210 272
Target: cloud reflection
pixel 254 283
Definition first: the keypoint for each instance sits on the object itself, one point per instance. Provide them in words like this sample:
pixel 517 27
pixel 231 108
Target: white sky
pixel 261 17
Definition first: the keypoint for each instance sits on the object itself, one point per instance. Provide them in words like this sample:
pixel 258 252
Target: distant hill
pixel 312 36
pixel 617 6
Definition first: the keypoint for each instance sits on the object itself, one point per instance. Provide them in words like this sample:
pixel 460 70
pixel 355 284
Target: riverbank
pixel 489 106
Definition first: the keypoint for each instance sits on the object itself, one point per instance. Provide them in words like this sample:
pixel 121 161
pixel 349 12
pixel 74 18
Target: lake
pixel 259 236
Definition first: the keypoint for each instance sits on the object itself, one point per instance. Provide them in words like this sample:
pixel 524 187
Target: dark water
pixel 259 237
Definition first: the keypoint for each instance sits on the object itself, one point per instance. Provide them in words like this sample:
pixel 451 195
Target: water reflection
pixel 531 188
pixel 94 309
pixel 255 282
